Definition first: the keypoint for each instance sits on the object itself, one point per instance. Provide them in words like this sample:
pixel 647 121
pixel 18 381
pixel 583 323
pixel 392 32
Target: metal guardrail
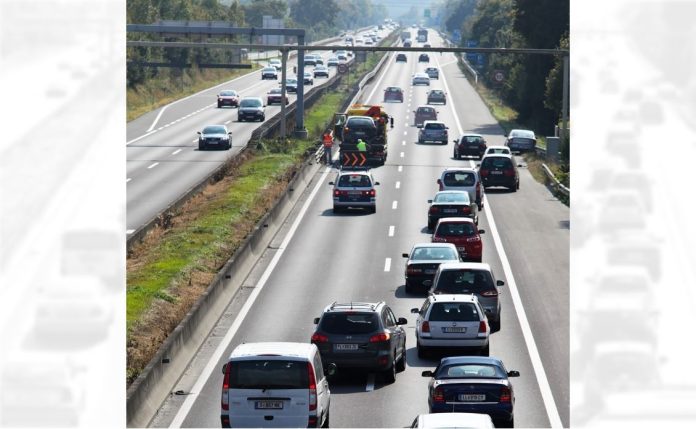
pixel 554 181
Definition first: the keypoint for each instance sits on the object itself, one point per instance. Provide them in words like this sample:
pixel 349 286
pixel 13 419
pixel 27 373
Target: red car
pixel 463 233
pixel 228 98
pixel 274 96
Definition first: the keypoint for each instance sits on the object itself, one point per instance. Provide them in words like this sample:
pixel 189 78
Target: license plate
pixel 269 405
pixel 354 192
pixel 471 398
pixel 496 172
pixel 429 271
pixel 452 330
pixel 449 211
pixel 345 347
pixel 461 249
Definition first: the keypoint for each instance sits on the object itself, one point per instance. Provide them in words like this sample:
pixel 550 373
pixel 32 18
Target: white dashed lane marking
pixel 130 231
pixel 153 165
pixel 395 204
pixel 398 185
pixel 402 154
pixel 391 229
pixel 387 265
pixel 128 180
pixel 176 151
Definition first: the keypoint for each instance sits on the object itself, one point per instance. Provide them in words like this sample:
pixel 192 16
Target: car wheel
pixel 486 350
pixel 495 325
pixel 513 188
pixel 390 374
pixel 401 363
pixel 337 209
pixel 229 145
pixel 219 105
pixel 373 209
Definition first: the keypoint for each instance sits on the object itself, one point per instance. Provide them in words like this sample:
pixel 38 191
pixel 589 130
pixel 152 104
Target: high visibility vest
pixel 328 140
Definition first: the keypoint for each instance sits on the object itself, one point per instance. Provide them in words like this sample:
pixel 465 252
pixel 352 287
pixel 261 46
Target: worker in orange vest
pixel 328 144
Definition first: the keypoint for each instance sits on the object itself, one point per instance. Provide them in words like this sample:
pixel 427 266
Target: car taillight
pixel 505 394
pixel 371 192
pixel 425 326
pixel 509 173
pixel 482 327
pixel 225 421
pixel 378 338
pixel 466 209
pixel 225 400
pixel 413 270
pixel 337 193
pixel 483 173
pixel 490 293
pixel 433 209
pixel 312 388
pixel 320 338
pixel 438 395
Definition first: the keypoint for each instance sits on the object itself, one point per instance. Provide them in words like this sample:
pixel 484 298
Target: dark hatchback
pixel 470 145
pixel 363 336
pixel 400 58
pixel 499 170
pixel 251 108
pixel 451 204
pixel 393 93
pixel 437 96
pixel 422 263
pixel 473 384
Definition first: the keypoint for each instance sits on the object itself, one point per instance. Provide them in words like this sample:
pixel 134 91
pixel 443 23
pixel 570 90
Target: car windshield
pixel 473 139
pixel 459 178
pixel 393 89
pixel 430 253
pixel 355 180
pixel 268 374
pixel 425 111
pixel 269 69
pixel 460 229
pixel 470 370
pixel 464 280
pixel 434 126
pixel 522 133
pixel 496 162
pixel 214 129
pixel 275 91
pixel 228 93
pixel 349 323
pixel 291 82
pixel 454 312
pixel 251 102
pixel 452 197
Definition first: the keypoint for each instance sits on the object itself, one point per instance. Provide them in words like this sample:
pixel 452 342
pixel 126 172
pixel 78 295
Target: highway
pixel 163 160
pixel 322 257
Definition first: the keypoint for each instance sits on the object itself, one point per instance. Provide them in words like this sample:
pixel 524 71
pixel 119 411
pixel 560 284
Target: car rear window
pixel 522 134
pixel 464 281
pixel 269 374
pixel 428 253
pixel 454 312
pixel 472 139
pixel 496 162
pixel 434 126
pixel 426 110
pixel 360 122
pixel 460 229
pixel 228 93
pixel 459 178
pixel 470 371
pixel 349 323
pixel 355 180
pixel 452 197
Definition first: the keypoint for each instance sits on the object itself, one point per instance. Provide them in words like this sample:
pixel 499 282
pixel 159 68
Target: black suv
pixel 423 58
pixel 401 58
pixel 499 170
pixel 362 335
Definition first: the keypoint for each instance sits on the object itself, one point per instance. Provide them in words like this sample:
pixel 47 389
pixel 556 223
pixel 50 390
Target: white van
pixel 275 385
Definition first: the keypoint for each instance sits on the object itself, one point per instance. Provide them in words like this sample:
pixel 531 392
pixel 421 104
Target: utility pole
pixel 564 109
pixel 283 77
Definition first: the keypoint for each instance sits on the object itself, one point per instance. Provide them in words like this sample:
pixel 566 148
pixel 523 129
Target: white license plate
pixel 345 347
pixel 471 398
pixel 429 271
pixel 269 405
pixel 496 172
pixel 449 210
pixel 452 330
pixel 354 192
pixel 461 249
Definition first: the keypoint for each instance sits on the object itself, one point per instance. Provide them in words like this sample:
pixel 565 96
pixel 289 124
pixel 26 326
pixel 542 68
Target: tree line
pixel 533 83
pixel 320 18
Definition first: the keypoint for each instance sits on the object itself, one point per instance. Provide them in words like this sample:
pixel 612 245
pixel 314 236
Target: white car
pixel 275 384
pixel 452 320
pixel 497 150
pixel 275 63
pixel 420 79
pixel 453 420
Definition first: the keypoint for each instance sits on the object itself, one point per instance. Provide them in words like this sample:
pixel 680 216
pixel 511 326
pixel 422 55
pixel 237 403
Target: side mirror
pixel 482 231
pixel 330 369
pixel 331 183
pixel 427 373
pixel 230 133
pixel 405 255
pixel 500 283
pixel 316 320
pixel 478 164
pixel 454 141
pixel 438 181
pixel 198 132
pixel 430 201
pixel 513 373
pixel 224 367
pixel 415 310
pixel 376 183
pixel 401 321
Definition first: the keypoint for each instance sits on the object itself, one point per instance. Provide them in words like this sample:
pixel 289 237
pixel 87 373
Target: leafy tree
pixel 256 9
pixel 308 13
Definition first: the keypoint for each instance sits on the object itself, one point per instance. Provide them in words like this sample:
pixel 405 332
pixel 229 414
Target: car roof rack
pixel 352 304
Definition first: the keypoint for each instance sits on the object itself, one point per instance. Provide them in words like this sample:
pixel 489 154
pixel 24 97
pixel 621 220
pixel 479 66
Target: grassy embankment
pixel 169 271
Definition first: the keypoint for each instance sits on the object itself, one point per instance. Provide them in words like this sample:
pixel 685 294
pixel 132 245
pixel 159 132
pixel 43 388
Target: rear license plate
pixel 345 347
pixel 354 192
pixel 452 330
pixel 449 211
pixel 461 249
pixel 269 405
pixel 429 271
pixel 496 172
pixel 471 398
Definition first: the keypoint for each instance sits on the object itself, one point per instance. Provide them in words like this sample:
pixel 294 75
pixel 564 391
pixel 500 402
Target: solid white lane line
pixel 384 73
pixel 370 382
pixel 398 185
pixel 542 380
pixel 128 180
pixel 391 229
pixel 176 151
pixel 194 141
pixel 130 231
pixel 153 165
pixel 387 265
pixel 159 115
pixel 401 168
pixel 232 331
pixel 395 204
